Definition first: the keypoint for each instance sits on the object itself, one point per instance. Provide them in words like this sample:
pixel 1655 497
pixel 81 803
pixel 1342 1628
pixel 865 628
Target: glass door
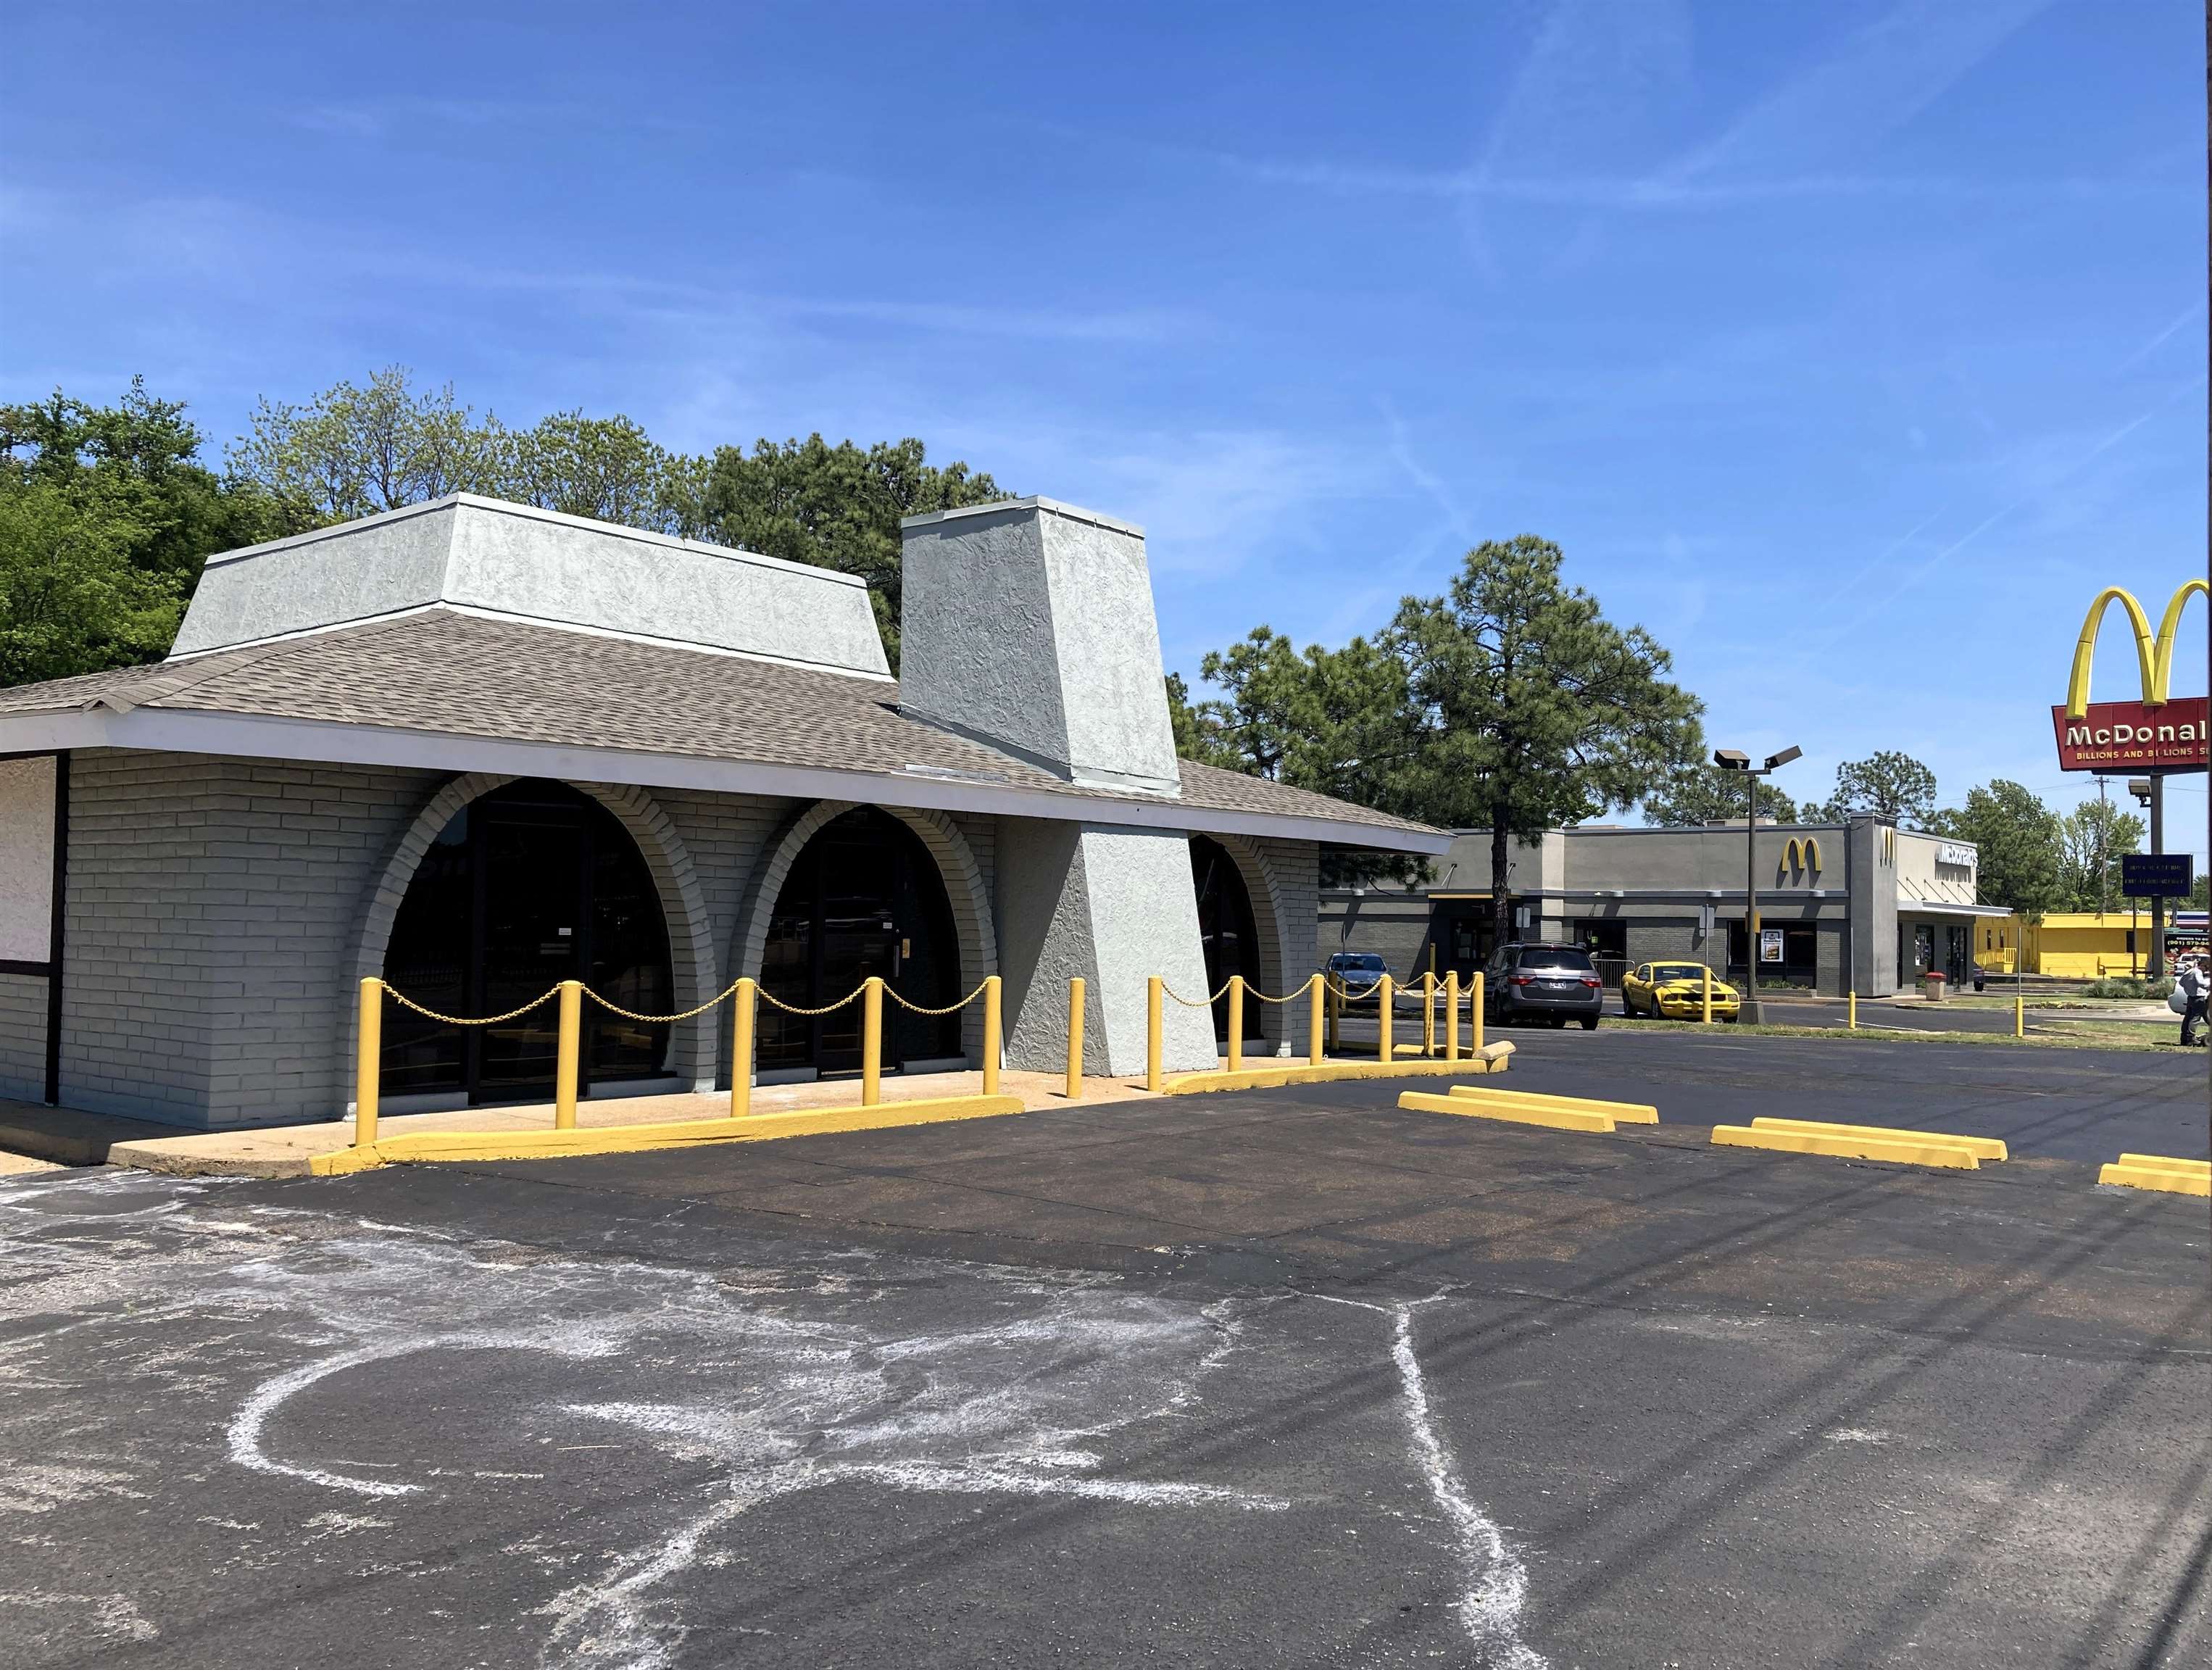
pixel 532 896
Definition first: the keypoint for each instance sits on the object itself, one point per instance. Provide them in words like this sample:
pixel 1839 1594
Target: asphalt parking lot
pixel 1291 1377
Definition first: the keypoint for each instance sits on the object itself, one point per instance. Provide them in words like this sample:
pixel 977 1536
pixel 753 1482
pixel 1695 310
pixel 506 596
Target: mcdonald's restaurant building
pixel 474 749
pixel 1857 907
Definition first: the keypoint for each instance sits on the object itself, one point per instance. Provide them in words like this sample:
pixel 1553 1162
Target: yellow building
pixel 2083 944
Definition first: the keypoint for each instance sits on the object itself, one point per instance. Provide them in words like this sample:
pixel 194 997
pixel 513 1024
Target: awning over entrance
pixel 1947 908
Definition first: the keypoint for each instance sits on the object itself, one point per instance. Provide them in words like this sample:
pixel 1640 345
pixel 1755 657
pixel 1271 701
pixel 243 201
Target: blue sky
pixel 1849 348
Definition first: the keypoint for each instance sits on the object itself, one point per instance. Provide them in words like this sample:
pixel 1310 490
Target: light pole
pixel 1734 759
pixel 2150 793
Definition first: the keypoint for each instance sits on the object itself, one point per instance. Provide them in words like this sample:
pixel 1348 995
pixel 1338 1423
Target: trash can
pixel 1931 986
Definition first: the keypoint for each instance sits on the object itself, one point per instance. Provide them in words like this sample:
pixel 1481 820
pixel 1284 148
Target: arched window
pixel 1226 929
pixel 863 897
pixel 531 885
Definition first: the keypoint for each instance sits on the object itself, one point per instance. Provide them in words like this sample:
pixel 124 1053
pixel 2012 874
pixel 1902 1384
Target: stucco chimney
pixel 1030 625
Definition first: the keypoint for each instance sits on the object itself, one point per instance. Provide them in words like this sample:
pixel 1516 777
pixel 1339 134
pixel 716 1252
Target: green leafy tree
pixel 1895 787
pixel 1197 729
pixel 106 517
pixel 1530 708
pixel 604 468
pixel 1339 722
pixel 2017 839
pixel 1701 793
pixel 2091 840
pixel 355 451
pixel 834 507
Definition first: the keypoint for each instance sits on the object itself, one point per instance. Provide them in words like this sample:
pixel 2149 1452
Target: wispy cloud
pixel 2047 480
pixel 1586 66
pixel 2189 315
pixel 409 117
pixel 1884 75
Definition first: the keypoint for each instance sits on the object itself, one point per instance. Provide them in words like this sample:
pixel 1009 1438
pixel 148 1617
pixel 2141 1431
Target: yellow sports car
pixel 1675 992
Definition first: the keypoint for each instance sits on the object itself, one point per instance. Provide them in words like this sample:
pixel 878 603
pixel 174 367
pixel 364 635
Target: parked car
pixel 1536 981
pixel 1676 991
pixel 1357 972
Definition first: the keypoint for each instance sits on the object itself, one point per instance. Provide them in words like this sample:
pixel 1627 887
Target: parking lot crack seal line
pixel 1496 1583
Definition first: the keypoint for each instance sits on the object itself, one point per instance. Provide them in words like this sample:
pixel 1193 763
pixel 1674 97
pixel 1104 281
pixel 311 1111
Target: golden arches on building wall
pixel 1801 858
pixel 2153 651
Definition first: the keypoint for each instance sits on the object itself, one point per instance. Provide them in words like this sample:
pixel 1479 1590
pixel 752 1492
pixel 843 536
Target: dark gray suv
pixel 1537 982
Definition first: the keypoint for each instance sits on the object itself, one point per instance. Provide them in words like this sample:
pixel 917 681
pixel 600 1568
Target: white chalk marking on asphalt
pixel 1496 1583
pixel 111 1615
pixel 243 1436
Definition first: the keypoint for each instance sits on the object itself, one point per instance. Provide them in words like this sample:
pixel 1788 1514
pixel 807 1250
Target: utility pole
pixel 2158 904
pixel 2104 860
pixel 1734 759
pixel 2151 792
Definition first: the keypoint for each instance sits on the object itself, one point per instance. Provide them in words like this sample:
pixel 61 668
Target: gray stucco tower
pixel 1031 625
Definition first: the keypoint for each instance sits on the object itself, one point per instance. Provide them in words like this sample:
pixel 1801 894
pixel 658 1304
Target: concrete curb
pixel 2158 1172
pixel 1509 1113
pixel 451 1145
pixel 1896 1147
pixel 1621 1113
pixel 1493 1057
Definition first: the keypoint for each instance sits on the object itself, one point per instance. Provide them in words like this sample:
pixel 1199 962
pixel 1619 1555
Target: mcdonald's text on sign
pixel 2133 735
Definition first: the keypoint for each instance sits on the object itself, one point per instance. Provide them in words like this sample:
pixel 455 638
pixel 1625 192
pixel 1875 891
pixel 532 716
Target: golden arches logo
pixel 2153 652
pixel 1802 854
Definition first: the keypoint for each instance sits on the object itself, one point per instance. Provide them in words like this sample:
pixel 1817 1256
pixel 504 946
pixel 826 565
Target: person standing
pixel 2193 986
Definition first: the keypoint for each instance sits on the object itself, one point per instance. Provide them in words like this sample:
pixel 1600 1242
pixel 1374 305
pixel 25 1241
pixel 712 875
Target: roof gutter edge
pixel 309 741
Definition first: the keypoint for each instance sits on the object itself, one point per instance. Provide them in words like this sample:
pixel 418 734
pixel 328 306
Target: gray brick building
pixel 472 749
pixel 1858 905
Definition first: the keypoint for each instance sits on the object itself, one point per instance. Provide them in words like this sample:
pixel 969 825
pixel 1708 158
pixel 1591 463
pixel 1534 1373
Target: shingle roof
pixel 455 674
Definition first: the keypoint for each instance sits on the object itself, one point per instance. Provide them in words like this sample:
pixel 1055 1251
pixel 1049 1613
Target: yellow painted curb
pixel 1331 1072
pixel 2157 1171
pixel 425 1146
pixel 1621 1113
pixel 1906 1148
pixel 1982 1148
pixel 1463 1107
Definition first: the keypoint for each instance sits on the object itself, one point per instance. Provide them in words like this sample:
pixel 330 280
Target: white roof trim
pixel 478 612
pixel 533 513
pixel 1949 908
pixel 310 741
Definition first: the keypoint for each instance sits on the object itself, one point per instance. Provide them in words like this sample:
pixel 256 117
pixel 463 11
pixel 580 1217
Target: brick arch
pixel 956 868
pixel 1277 974
pixel 693 966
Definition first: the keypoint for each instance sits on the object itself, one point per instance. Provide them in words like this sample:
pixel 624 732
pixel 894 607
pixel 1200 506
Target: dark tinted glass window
pixel 1555 956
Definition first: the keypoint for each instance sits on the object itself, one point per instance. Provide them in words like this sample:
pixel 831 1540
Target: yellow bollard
pixel 2019 1017
pixel 872 1040
pixel 1235 1023
pixel 741 1049
pixel 1474 1011
pixel 1155 1080
pixel 1451 1016
pixel 1428 1015
pixel 569 1054
pixel 1851 1011
pixel 1335 1020
pixel 1317 989
pixel 368 1063
pixel 1707 999
pixel 1383 991
pixel 1075 1038
pixel 991 1042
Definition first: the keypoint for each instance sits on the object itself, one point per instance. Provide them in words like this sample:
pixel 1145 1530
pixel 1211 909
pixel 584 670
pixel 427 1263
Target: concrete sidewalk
pixel 64 1137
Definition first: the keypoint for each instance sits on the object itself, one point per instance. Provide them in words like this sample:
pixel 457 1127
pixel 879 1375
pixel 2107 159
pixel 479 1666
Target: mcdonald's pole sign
pixel 2158 733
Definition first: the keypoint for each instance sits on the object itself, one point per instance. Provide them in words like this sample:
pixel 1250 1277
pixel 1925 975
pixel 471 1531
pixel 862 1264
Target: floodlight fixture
pixel 1784 758
pixel 1731 759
